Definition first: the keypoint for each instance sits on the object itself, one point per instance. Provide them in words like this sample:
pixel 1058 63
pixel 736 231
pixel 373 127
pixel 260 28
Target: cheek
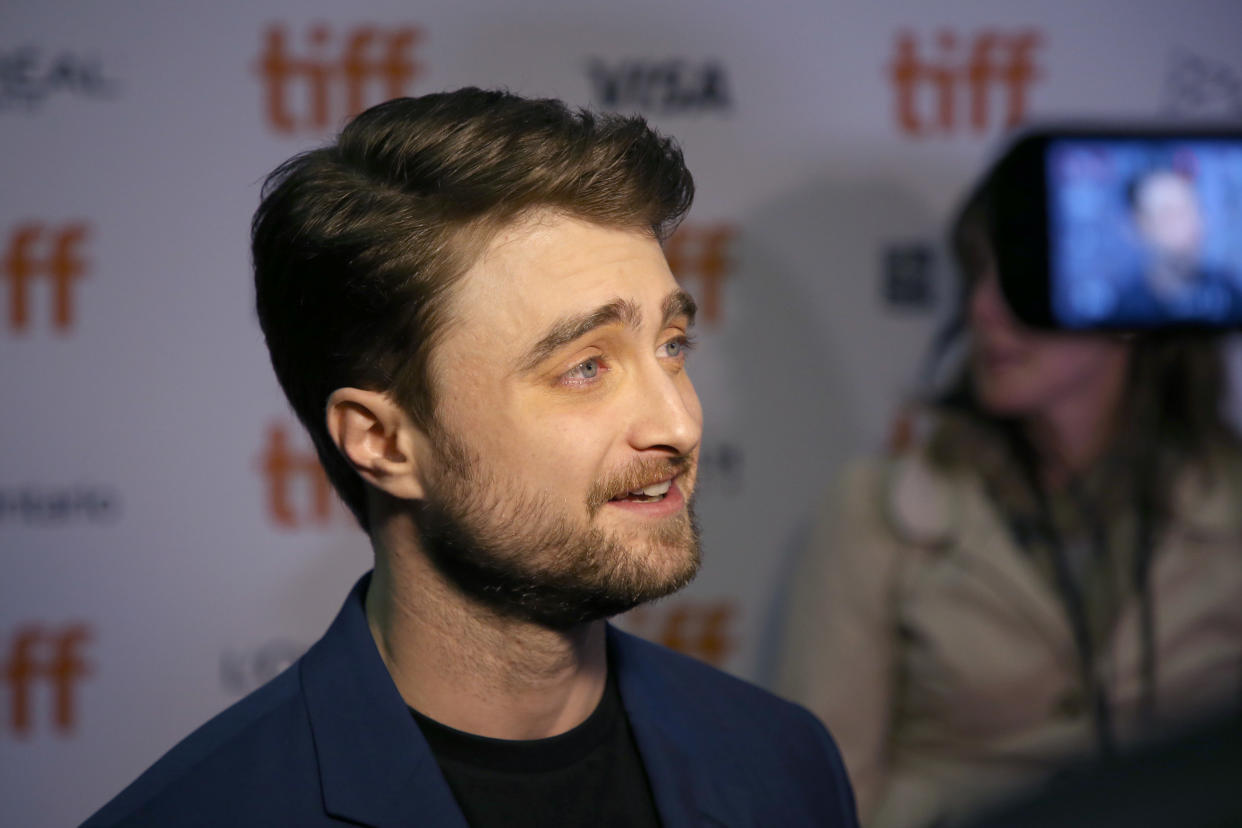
pixel 1011 388
pixel 491 425
pixel 1008 391
pixel 1048 372
pixel 559 454
pixel 1074 362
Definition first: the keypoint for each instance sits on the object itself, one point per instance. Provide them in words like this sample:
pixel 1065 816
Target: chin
pixel 673 566
pixel 668 563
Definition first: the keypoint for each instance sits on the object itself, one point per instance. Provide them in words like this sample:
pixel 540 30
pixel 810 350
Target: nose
pixel 987 303
pixel 666 416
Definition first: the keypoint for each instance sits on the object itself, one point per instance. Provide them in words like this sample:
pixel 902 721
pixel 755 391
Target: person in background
pixel 1047 566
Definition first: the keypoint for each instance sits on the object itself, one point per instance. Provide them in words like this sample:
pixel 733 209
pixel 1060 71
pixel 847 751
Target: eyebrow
pixel 618 311
pixel 679 303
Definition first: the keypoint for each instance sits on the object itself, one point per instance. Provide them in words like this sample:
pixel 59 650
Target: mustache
pixel 637 475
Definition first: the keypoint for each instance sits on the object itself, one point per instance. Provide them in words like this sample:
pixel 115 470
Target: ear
pixel 379 440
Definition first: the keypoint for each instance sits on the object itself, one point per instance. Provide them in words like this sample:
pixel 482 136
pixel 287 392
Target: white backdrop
pixel 162 545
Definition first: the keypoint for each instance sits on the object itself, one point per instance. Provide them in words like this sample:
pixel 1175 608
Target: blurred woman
pixel 1049 564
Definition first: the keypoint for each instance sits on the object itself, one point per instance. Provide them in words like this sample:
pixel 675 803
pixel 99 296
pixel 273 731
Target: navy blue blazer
pixel 331 741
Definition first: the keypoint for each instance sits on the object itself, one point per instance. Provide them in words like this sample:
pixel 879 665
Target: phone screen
pixel 1144 232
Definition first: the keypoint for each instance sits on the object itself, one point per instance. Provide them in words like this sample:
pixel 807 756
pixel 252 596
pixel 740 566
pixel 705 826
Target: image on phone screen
pixel 1144 232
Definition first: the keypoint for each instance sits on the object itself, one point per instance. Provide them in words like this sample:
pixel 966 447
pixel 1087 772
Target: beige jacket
pixel 943 662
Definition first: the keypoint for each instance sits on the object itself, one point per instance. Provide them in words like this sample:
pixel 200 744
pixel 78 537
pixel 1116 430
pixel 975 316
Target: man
pixel 466 302
pixel 1176 284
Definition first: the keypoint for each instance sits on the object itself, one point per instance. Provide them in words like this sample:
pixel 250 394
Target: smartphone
pixel 1125 229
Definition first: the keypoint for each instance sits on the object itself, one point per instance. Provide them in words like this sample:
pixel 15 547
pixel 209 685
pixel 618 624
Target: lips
pixel 646 486
pixel 667 501
pixel 651 493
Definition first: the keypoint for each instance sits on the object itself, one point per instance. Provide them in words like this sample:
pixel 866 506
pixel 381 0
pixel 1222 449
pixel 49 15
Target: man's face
pixel 1167 215
pixel 561 388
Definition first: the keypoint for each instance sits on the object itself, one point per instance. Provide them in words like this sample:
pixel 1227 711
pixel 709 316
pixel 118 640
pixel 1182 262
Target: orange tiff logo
pixel 700 253
pixel 294 477
pixel 931 87
pixel 703 630
pixel 334 78
pixel 50 657
pixel 37 250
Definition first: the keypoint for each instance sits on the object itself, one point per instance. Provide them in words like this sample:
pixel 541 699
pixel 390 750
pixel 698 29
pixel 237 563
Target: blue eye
pixel 677 348
pixel 587 369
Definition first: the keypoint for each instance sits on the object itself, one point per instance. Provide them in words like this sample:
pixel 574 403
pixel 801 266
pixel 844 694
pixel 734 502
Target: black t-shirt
pixel 589 776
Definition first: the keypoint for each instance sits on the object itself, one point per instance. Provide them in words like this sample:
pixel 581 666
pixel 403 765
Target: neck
pixel 1071 434
pixel 465 666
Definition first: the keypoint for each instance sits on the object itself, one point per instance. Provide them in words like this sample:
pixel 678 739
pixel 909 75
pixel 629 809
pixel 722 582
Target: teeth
pixel 654 490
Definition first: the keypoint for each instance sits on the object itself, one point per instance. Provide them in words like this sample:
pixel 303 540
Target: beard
pixel 524 556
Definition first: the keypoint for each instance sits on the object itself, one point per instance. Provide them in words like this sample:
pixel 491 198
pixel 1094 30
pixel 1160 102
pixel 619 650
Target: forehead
pixel 548 264
pixel 1166 188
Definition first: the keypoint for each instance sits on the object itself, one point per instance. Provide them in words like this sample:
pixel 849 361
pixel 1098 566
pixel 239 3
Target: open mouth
pixel 648 494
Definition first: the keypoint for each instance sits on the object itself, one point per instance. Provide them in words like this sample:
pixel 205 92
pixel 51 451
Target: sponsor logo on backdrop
pixel 698 255
pixel 1197 86
pixel 244 670
pixel 30 76
pixel 42 669
pixel 299 495
pixel 705 630
pixel 953 81
pixel 667 87
pixel 53 505
pixel 315 81
pixel 48 258
pixel 908 276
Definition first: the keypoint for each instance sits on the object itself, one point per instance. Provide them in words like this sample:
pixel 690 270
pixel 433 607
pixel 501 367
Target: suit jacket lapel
pixel 683 780
pixel 374 764
pixel 376 768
